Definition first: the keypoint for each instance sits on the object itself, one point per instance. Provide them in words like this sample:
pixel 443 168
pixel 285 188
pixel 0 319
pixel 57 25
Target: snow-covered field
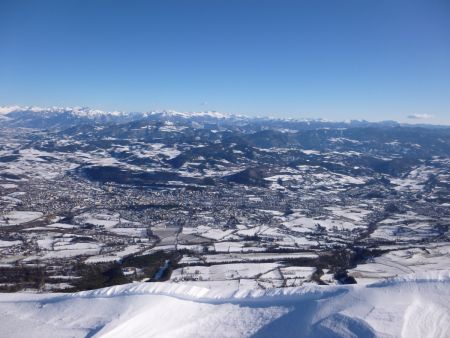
pixel 19 217
pixel 412 306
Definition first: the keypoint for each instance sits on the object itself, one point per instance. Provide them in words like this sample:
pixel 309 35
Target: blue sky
pixel 362 59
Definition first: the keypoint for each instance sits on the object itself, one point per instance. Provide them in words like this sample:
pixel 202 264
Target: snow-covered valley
pixel 176 226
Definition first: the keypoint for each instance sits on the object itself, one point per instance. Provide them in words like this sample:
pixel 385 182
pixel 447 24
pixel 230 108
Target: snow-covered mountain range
pixel 63 117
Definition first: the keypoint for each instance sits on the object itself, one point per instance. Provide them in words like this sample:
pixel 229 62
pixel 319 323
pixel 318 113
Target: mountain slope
pixel 413 306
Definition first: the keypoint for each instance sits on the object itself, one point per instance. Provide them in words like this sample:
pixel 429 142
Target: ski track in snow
pixel 416 305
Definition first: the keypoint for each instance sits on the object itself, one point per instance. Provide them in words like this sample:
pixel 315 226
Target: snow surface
pixel 19 217
pixel 411 306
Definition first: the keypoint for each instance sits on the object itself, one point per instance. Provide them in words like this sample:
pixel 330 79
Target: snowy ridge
pixel 422 277
pixel 193 292
pixel 197 293
pixel 408 307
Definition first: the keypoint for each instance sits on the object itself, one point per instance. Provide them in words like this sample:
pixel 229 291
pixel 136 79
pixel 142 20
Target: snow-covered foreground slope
pixel 412 306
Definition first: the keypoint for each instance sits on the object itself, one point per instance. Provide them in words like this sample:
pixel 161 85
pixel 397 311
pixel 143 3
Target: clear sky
pixel 336 59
